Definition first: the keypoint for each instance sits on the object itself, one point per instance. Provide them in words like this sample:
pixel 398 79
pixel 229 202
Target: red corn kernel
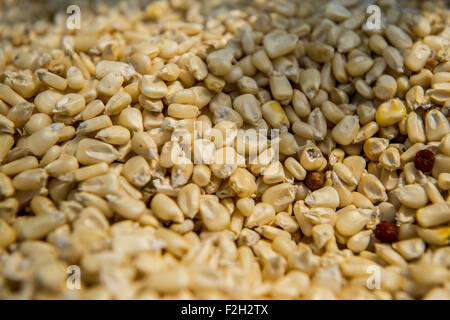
pixel 314 180
pixel 424 160
pixel 386 232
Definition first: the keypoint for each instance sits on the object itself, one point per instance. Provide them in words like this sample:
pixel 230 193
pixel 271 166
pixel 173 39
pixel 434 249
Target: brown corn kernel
pixel 424 160
pixel 386 232
pixel 314 180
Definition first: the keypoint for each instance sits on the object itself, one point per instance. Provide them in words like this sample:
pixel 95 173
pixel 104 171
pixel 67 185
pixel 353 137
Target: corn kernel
pixel 390 112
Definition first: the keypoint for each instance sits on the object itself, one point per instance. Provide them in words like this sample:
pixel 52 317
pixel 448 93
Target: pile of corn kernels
pixel 112 136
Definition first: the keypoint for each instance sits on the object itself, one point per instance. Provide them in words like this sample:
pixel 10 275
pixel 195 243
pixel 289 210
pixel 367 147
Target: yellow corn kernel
pixel 243 183
pixel 274 114
pixel 439 236
pixel 390 112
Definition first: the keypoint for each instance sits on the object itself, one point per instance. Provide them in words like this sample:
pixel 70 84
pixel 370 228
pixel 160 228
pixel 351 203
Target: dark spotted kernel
pixel 314 180
pixel 431 63
pixel 424 160
pixel 386 232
